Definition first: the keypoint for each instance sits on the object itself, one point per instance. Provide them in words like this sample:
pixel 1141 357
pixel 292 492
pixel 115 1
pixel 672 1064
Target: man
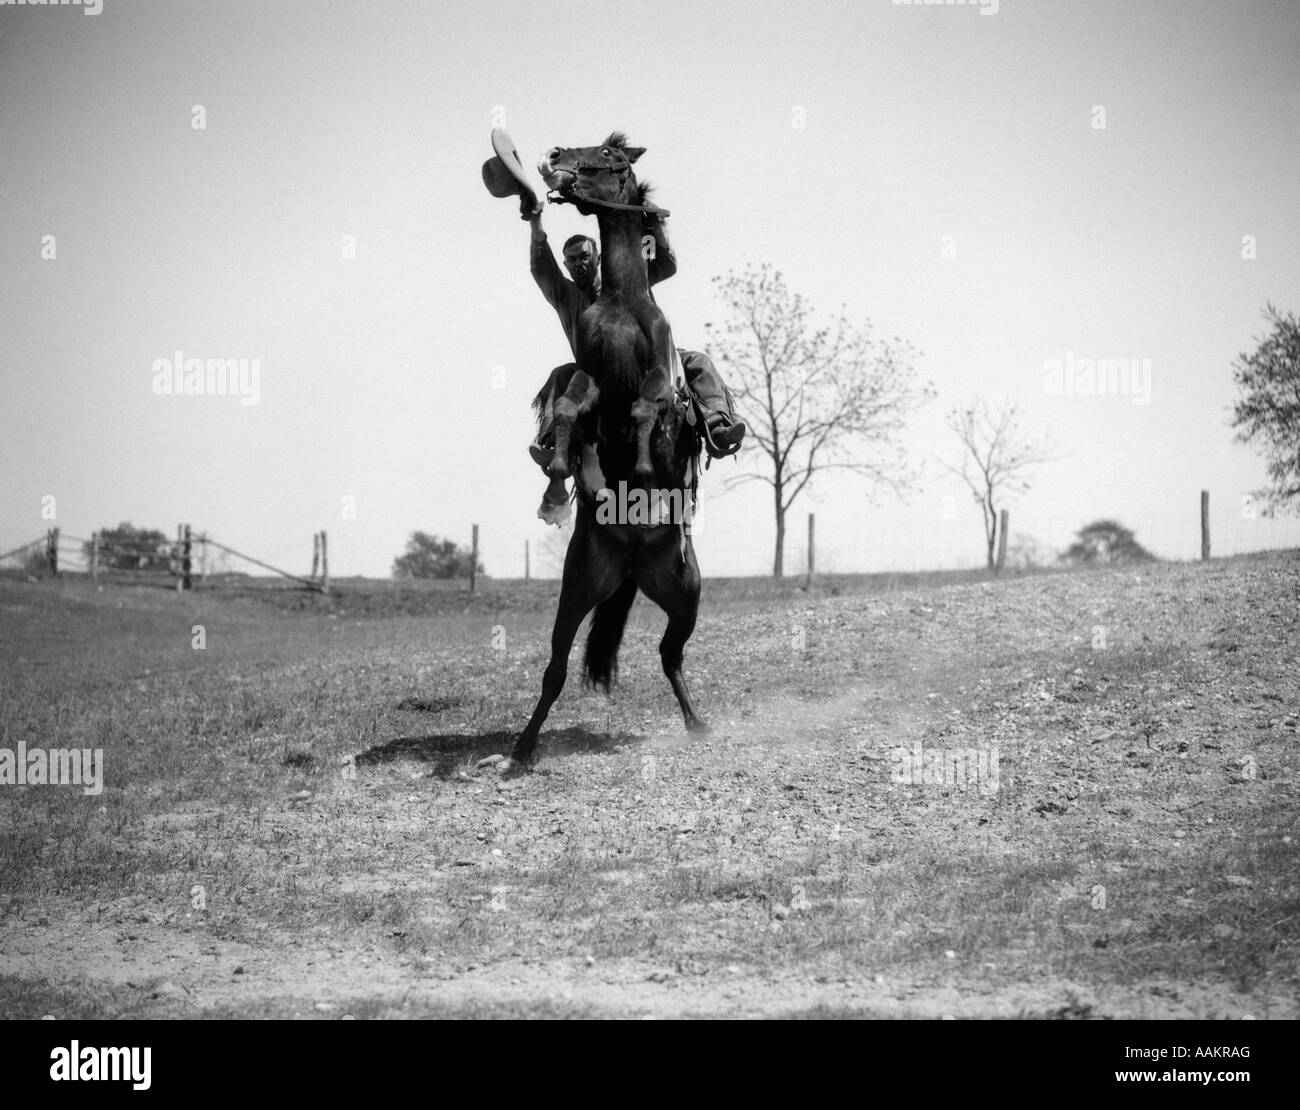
pixel 571 298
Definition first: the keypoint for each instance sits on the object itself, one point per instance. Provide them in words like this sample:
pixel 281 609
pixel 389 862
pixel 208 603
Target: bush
pixel 1106 543
pixel 430 557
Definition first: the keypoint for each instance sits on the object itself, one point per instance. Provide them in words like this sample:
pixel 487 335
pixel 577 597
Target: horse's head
pixel 592 176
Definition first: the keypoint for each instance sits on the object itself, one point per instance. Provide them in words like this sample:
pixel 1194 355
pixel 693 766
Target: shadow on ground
pixel 449 752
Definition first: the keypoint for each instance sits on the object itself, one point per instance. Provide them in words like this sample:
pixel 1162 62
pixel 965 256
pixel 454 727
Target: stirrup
pixel 728 440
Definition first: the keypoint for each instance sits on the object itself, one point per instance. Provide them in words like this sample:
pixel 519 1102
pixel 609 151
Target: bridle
pixel 622 171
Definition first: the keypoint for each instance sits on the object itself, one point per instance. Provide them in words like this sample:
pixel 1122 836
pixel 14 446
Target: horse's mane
pixel 619 140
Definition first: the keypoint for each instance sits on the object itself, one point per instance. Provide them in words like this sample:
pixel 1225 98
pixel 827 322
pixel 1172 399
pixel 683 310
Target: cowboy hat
pixel 503 174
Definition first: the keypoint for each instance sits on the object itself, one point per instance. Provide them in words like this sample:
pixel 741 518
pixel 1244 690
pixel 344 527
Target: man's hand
pixel 530 208
pixel 535 222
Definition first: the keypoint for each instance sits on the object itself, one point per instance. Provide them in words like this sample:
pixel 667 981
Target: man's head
pixel 582 260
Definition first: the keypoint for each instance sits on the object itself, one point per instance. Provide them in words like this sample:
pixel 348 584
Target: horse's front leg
pixel 656 394
pixel 579 399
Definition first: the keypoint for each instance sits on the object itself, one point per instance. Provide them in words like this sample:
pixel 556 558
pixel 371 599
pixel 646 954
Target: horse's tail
pixel 601 657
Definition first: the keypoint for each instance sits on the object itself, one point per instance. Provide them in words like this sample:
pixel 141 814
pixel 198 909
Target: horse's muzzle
pixel 555 177
pixel 560 181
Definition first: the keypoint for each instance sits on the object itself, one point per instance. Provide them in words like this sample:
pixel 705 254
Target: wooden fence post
pixel 1002 541
pixel 527 568
pixel 315 555
pixel 52 550
pixel 187 564
pixel 812 550
pixel 473 562
pixel 1205 524
pixel 94 558
pixel 324 564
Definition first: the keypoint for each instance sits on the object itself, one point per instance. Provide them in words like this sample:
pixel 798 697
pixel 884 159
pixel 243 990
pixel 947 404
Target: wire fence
pixel 146 558
pixel 939 537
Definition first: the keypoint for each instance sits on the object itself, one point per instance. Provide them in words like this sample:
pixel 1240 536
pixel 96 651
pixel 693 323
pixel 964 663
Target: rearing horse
pixel 623 394
pixel 624 341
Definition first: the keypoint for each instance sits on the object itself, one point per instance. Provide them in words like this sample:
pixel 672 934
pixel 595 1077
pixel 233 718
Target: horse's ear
pixel 633 152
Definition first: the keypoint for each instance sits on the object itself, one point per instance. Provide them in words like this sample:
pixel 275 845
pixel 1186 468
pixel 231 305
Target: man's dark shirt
pixel 568 300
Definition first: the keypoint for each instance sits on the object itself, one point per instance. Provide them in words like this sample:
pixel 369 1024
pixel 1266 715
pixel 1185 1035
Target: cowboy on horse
pixel 637 436
pixel 722 433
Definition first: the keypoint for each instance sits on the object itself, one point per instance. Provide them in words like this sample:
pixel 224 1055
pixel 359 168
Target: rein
pixel 644 209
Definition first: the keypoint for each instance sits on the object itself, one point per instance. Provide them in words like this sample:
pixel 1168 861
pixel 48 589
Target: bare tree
pixel 552 548
pixel 996 458
pixel 1268 413
pixel 813 396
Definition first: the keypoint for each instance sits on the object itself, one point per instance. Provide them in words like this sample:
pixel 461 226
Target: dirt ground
pixel 295 820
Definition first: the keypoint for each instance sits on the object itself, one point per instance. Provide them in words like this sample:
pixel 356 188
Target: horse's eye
pixel 606 153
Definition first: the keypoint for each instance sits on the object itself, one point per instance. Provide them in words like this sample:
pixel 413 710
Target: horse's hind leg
pixel 591 574
pixel 672 582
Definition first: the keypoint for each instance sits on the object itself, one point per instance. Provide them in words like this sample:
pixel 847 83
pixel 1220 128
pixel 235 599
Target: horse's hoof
pixel 510 767
pixel 698 727
pixel 553 513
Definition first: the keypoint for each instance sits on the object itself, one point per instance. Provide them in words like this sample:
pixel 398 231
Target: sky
pixel 299 184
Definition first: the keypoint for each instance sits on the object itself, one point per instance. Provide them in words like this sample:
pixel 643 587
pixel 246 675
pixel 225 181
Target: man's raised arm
pixel 546 271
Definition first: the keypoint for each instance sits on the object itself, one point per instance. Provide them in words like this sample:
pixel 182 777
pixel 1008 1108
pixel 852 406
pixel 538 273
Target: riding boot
pixel 723 433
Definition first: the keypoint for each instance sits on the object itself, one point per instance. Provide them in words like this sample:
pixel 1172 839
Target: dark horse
pixel 621 399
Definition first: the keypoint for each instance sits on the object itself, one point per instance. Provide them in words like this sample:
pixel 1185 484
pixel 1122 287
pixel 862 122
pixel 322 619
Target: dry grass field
pixel 294 821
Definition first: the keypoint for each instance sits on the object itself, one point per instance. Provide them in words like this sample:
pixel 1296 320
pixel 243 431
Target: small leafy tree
pixel 1106 543
pixel 35 564
pixel 129 548
pixel 431 557
pixel 1269 412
